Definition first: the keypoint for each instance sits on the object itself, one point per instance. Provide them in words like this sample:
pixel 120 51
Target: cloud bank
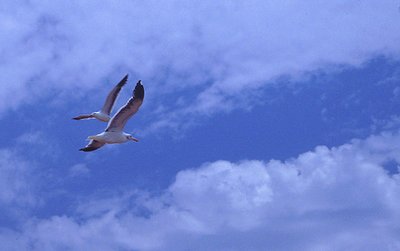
pixel 196 58
pixel 340 198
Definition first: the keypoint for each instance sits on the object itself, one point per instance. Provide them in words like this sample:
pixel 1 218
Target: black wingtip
pixel 138 92
pixel 123 81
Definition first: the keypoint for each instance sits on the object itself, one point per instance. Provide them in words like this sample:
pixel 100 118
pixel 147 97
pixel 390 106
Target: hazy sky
pixel 266 125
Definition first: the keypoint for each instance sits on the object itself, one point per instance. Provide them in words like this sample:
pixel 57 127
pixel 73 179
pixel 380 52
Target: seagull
pixel 104 113
pixel 114 132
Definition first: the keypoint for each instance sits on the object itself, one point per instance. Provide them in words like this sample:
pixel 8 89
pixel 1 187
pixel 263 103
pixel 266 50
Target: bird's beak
pixel 133 139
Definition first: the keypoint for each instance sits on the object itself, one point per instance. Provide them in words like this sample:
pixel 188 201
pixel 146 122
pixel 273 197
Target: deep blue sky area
pixel 265 126
pixel 322 110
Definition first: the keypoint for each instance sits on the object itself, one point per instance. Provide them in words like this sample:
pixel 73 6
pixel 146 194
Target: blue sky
pixel 265 126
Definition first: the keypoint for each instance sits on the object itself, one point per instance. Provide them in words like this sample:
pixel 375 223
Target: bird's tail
pixel 84 116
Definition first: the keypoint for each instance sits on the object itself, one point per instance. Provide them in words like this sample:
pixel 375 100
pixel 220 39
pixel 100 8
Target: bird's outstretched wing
pixel 93 145
pixel 84 116
pixel 119 120
pixel 112 96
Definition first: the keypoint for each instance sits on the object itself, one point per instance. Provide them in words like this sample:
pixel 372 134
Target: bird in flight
pixel 114 132
pixel 104 113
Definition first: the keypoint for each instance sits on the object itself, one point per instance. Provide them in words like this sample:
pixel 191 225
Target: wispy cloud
pixel 17 184
pixel 79 170
pixel 326 199
pixel 206 56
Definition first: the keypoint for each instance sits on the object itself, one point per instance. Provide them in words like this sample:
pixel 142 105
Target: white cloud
pixel 79 170
pixel 17 184
pixel 206 55
pixel 325 199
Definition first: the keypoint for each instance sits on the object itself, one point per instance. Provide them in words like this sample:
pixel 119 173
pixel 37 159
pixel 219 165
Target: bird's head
pixel 130 137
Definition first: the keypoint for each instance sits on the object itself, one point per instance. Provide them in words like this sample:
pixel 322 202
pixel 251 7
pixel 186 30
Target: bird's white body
pixel 113 137
pixel 114 134
pixel 101 116
pixel 104 113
